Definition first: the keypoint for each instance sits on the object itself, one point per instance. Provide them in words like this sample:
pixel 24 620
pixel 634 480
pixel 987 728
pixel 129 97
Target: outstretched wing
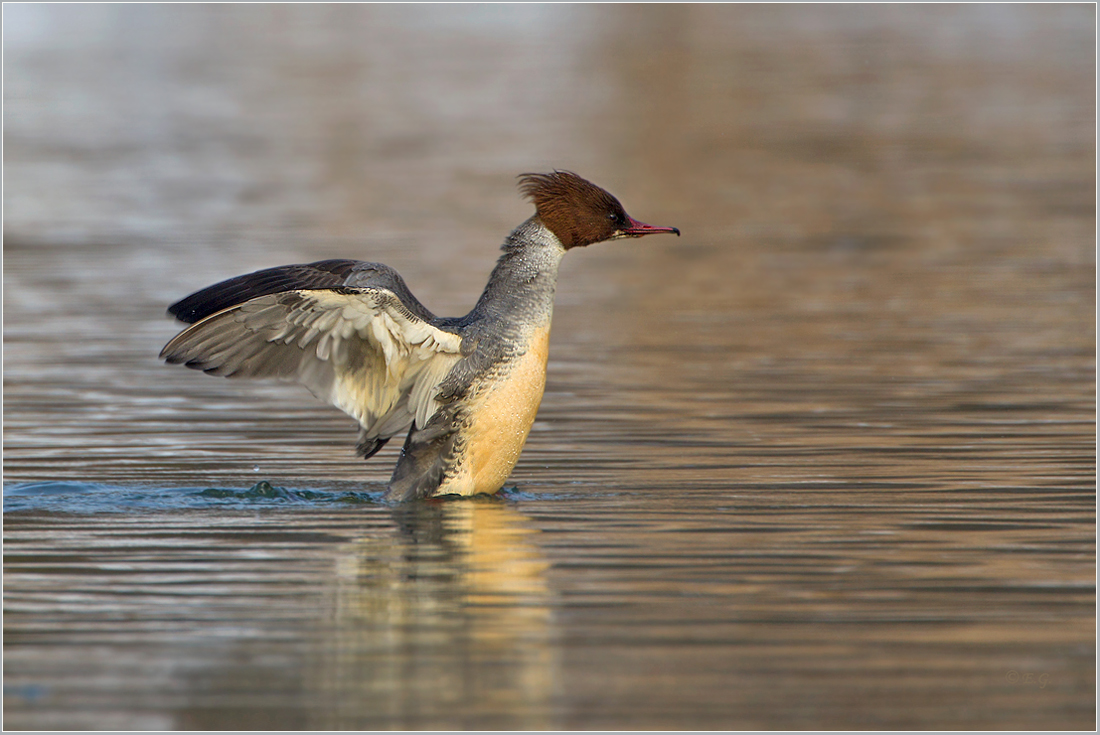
pixel 361 349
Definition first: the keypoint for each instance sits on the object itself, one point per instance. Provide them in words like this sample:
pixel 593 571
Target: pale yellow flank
pixel 501 418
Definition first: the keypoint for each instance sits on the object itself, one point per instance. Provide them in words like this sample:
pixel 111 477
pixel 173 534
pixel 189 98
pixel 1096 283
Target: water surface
pixel 825 461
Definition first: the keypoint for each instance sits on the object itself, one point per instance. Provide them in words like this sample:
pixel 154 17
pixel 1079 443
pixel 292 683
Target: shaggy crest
pixel 577 211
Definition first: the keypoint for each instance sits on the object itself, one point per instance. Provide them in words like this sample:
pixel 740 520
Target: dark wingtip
pixel 177 311
pixel 222 295
pixel 201 304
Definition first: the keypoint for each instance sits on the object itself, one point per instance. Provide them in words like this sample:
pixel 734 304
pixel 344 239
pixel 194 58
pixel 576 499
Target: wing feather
pixel 360 349
pixel 322 274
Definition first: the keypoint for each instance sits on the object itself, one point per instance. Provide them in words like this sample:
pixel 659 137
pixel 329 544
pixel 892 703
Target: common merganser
pixel 465 388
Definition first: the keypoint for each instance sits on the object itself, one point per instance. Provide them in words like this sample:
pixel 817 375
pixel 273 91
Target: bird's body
pixel 465 388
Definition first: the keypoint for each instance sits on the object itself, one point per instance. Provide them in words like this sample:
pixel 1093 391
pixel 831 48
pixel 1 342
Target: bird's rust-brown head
pixel 580 213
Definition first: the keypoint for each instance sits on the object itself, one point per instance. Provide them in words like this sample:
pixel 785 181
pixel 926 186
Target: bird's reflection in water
pixel 445 624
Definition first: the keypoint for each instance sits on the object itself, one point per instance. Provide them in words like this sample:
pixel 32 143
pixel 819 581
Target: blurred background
pixel 849 413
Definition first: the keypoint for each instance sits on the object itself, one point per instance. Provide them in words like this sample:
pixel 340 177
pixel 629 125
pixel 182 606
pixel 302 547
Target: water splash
pixel 90 498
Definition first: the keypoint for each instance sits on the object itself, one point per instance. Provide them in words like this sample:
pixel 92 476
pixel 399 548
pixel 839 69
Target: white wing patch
pixel 360 349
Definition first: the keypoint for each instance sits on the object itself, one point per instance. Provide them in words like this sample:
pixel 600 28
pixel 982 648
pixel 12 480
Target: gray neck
pixel 521 287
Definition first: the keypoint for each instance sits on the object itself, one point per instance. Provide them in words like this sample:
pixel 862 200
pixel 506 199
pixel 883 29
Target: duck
pixel 463 390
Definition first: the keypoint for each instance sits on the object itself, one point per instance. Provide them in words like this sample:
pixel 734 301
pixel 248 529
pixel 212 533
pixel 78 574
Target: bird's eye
pixel 615 218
